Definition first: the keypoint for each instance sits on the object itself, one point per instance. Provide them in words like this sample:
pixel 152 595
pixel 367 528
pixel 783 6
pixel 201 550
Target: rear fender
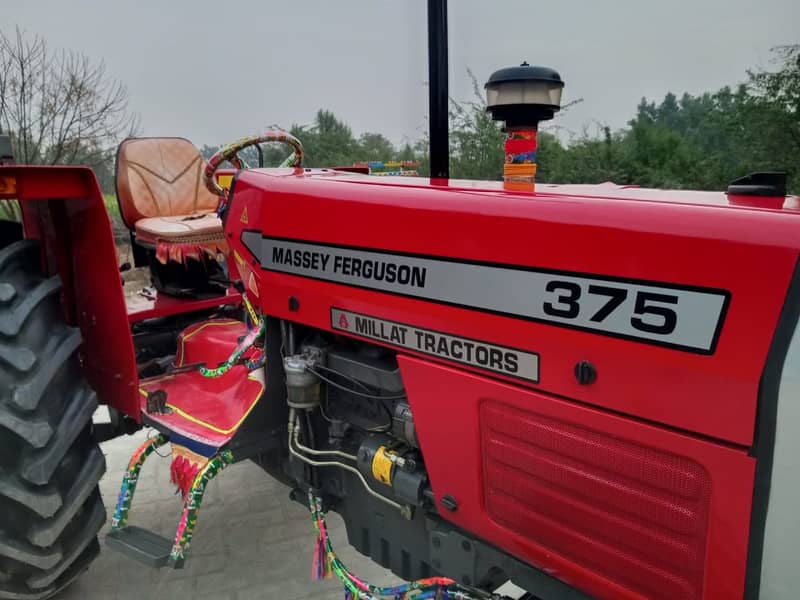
pixel 63 208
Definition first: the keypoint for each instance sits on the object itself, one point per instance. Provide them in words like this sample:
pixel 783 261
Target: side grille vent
pixel 635 514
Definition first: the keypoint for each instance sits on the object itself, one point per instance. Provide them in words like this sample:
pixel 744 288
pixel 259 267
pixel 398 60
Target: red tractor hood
pixel 725 265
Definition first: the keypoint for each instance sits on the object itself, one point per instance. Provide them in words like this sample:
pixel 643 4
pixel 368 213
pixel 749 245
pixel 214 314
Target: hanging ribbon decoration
pixel 326 563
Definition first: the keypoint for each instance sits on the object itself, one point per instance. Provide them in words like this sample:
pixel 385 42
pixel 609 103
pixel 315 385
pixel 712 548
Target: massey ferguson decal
pixel 491 357
pixel 683 317
pixel 350 266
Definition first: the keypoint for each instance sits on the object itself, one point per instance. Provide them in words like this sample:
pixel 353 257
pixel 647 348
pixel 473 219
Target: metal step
pixel 142 545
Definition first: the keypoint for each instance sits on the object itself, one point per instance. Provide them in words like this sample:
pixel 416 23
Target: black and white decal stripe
pixel 683 317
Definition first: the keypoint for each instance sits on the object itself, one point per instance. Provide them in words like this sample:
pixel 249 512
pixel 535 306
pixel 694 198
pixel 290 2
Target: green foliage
pixel 328 142
pixel 476 142
pixel 112 206
pixel 695 142
pixel 10 211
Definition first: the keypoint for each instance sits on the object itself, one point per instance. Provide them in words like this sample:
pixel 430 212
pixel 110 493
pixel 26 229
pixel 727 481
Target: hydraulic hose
pixel 294 432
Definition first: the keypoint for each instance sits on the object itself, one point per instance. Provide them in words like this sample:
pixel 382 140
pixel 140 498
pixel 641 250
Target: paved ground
pixel 251 541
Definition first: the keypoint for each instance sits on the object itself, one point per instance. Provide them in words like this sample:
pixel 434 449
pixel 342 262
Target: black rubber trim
pixel 764 439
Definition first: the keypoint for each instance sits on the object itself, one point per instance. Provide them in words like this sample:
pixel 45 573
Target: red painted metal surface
pixel 63 207
pixel 749 252
pixel 155 305
pixel 688 418
pixel 592 495
pixel 636 514
pixel 208 410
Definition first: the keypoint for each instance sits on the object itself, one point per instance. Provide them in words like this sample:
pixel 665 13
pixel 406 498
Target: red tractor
pixel 589 390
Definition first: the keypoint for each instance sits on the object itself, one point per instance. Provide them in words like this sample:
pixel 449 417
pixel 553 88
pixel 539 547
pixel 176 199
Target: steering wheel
pixel 230 153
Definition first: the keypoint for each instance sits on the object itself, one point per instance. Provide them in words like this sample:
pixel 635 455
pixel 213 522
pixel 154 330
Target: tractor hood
pixel 672 296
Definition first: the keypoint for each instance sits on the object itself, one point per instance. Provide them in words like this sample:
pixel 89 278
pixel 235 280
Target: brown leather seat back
pixel 160 177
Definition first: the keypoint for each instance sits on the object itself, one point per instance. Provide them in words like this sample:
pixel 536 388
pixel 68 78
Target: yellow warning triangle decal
pixel 251 283
pixel 244 216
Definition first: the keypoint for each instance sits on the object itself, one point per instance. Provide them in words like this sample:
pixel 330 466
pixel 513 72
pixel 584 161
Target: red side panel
pixel 615 507
pixel 160 305
pixel 63 207
pixel 727 249
pixel 637 485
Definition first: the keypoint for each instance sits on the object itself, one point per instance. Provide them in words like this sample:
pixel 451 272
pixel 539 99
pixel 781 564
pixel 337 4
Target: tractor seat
pixel 179 229
pixel 162 198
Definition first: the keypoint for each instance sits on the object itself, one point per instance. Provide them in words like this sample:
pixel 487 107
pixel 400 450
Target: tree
pixel 374 146
pixel 328 142
pixel 773 109
pixel 781 89
pixel 59 108
pixel 476 141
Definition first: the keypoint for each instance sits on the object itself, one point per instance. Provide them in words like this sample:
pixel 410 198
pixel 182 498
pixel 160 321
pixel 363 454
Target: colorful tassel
pixel 316 569
pixel 326 562
pixel 179 252
pixel 185 467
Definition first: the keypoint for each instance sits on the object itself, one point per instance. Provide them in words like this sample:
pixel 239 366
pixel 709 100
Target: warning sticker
pixel 484 355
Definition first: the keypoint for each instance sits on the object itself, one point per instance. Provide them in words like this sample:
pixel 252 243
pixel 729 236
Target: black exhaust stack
pixel 438 89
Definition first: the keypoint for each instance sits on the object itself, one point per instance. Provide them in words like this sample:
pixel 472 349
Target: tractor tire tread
pixel 39 467
pixel 28 395
pixel 11 324
pixel 46 533
pixel 51 509
pixel 95 521
pixel 44 501
pixel 21 253
pixel 21 360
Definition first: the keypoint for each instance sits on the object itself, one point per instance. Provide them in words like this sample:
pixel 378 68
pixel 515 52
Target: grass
pixel 9 210
pixel 111 205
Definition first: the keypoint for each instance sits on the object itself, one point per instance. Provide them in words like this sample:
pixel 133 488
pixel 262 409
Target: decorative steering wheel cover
pixel 230 152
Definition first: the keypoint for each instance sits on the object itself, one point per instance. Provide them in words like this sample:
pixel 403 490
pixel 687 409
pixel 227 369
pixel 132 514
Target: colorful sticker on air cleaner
pixel 683 317
pixel 467 351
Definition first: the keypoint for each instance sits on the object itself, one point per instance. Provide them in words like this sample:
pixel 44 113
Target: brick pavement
pixel 251 541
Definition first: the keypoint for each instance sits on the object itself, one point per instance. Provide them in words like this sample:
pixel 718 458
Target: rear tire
pixel 50 465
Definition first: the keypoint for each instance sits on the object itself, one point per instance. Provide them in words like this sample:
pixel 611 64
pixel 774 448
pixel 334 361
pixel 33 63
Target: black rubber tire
pixel 50 465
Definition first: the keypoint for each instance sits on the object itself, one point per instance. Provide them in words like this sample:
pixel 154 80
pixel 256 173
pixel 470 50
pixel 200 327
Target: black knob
pixel 585 372
pixel 449 503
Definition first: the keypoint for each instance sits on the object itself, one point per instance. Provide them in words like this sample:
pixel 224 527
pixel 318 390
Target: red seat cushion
pixel 208 410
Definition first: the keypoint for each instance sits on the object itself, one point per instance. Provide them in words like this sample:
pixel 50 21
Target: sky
pixel 215 71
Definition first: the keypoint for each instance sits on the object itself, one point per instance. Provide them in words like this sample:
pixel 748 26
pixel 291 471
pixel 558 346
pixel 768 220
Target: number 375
pixel 652 312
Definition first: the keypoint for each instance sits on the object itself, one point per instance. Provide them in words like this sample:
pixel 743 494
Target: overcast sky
pixel 214 71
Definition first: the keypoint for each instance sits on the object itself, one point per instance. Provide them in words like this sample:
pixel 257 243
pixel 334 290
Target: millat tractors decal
pixel 484 355
pixel 684 317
